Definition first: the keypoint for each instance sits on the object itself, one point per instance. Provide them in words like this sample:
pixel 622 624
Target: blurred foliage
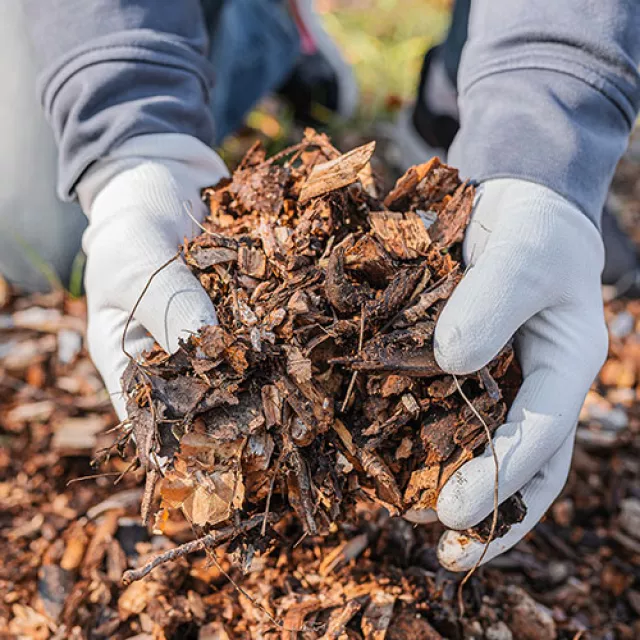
pixel 385 41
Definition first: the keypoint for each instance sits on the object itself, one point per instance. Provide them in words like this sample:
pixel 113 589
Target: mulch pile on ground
pixel 66 546
pixel 319 387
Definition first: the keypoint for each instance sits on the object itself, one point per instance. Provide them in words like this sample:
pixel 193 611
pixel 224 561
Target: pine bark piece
pixel 260 188
pixel 377 616
pixel 424 302
pixel 395 295
pixel 453 219
pixel 406 184
pixel 375 466
pixel 512 511
pixel 422 490
pixel 207 257
pixel 368 257
pixel 252 261
pixel 404 351
pixel 337 173
pixel 340 618
pixel 300 492
pixel 437 434
pixel 403 235
pixel 412 626
pixel 343 295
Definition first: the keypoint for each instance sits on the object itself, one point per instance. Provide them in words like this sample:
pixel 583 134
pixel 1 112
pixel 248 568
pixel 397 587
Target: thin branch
pixel 496 503
pixel 354 375
pixel 210 541
pixel 139 300
pixel 188 209
pixel 92 477
pixel 263 530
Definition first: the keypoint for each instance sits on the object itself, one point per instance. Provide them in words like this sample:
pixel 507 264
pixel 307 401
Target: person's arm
pixel 110 70
pixel 549 92
pixel 125 86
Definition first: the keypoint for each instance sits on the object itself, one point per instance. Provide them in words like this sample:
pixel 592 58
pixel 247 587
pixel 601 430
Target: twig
pixel 300 539
pixel 354 375
pixel 147 497
pixel 496 504
pixel 92 477
pixel 139 300
pixel 272 484
pixel 188 209
pixel 210 541
pixel 133 465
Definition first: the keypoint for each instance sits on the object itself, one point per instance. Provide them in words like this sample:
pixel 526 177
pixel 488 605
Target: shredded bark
pixel 219 430
pixel 327 299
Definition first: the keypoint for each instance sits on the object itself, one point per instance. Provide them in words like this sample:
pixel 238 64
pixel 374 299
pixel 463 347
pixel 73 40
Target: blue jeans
pixel 451 48
pixel 254 47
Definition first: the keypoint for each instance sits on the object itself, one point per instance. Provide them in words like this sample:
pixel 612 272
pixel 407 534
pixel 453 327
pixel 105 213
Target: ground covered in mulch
pixel 66 546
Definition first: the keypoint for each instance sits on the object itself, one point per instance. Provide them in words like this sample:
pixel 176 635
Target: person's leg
pixel 322 85
pixel 37 231
pixel 254 47
pixel 451 48
pixel 260 47
pixel 428 126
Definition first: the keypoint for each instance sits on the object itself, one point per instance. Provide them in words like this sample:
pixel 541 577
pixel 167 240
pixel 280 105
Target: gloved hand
pixel 135 200
pixel 535 271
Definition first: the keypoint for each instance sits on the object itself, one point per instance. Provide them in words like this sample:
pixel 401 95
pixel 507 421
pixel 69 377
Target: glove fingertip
pixel 421 516
pixel 458 552
pixel 457 347
pixel 458 504
pixel 177 307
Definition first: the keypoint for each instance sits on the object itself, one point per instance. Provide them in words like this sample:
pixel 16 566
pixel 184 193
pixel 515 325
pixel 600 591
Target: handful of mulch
pixel 319 387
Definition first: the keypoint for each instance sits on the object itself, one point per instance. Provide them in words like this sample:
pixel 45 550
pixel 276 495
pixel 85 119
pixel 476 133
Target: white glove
pixel 536 263
pixel 135 200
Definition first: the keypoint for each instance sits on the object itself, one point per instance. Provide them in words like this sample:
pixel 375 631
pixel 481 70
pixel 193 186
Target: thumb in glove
pixel 135 200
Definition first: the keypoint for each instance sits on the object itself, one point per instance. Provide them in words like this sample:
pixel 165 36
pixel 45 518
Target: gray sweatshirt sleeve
pixel 549 91
pixel 113 69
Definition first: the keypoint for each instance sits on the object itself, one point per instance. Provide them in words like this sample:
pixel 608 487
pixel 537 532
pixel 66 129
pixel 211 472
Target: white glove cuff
pixel 192 163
